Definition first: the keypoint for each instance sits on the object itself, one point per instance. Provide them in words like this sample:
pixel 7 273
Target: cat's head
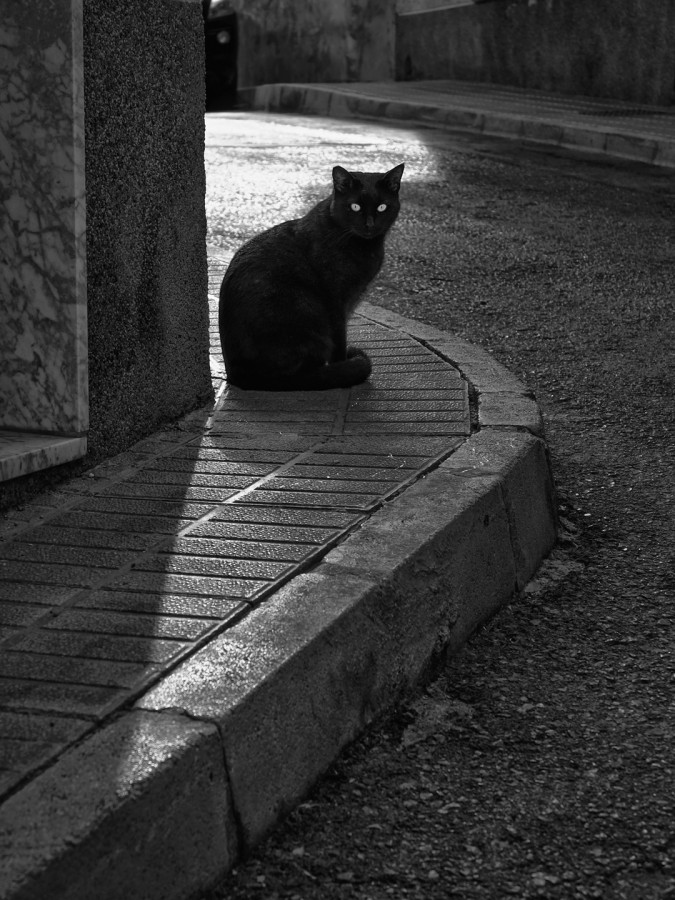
pixel 366 203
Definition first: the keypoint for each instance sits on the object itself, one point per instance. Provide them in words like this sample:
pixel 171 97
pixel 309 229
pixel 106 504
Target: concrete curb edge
pixel 214 755
pixel 330 101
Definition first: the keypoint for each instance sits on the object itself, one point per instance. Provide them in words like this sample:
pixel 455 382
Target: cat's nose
pixel 370 222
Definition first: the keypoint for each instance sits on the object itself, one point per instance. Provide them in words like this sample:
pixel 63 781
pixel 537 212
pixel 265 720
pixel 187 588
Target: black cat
pixel 288 293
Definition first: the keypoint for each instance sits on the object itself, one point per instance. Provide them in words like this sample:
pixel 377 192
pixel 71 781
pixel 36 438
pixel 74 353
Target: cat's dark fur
pixel 288 293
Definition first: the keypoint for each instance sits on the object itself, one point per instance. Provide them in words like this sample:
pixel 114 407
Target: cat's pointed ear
pixel 342 180
pixel 392 180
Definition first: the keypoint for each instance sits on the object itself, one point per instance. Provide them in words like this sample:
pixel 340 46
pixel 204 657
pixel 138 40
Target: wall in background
pixel 623 49
pixel 314 41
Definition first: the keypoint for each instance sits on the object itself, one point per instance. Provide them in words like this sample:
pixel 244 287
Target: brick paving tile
pixel 75 699
pixel 67 670
pixel 289 481
pixel 207 467
pixel 103 538
pixel 181 628
pixel 128 506
pixel 61 555
pixel 193 478
pixel 194 545
pixel 74 576
pixel 258 532
pixel 363 502
pixel 25 592
pixel 314 469
pixel 450 428
pixel 176 583
pixel 178 492
pixel 21 614
pixel 406 416
pixel 161 603
pixel 212 566
pixel 226 455
pixel 90 645
pixel 279 516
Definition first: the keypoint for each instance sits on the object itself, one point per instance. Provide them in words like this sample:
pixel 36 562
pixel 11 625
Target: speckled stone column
pixel 43 312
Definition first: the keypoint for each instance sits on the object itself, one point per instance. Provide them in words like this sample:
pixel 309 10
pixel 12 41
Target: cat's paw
pixel 356 352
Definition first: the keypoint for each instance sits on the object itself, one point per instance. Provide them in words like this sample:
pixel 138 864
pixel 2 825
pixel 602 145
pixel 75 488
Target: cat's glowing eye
pixel 382 207
pixel 356 207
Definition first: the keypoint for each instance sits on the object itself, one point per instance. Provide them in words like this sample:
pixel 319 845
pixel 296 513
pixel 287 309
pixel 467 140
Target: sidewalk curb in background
pixel 214 755
pixel 332 100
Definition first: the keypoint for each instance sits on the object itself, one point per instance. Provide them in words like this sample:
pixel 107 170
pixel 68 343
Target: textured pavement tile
pixel 253 532
pixel 448 394
pixel 279 516
pixel 307 498
pixel 213 566
pixel 280 413
pixel 129 506
pixel 290 443
pixel 109 539
pixel 160 604
pixel 49 729
pixel 306 427
pixel 73 576
pixel 194 545
pixel 428 366
pixel 175 583
pixel 8 631
pixel 17 591
pixel 134 624
pixel 98 646
pixel 21 614
pixel 227 455
pixel 412 381
pixel 407 428
pixel 174 492
pixel 313 468
pixel 62 554
pixel 369 406
pixel 398 352
pixel 62 669
pixel 108 523
pixel 420 447
pixel 165 476
pixel 259 400
pixel 289 481
pixel 376 462
pixel 57 698
pixel 407 416
pixel 205 467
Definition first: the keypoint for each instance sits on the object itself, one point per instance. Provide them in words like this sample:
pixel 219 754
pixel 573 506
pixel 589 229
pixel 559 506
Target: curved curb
pixel 214 755
pixel 330 100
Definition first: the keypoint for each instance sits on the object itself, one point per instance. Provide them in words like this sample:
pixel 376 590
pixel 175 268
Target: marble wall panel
pixel 43 314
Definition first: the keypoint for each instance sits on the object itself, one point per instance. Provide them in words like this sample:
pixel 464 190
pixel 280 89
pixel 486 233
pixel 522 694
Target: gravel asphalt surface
pixel 541 762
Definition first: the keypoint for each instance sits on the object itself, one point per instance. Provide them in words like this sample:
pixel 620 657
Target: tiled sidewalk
pixel 192 631
pixel 112 580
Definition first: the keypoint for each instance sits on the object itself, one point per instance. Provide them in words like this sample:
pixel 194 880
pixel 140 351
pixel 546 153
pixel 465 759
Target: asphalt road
pixel 541 763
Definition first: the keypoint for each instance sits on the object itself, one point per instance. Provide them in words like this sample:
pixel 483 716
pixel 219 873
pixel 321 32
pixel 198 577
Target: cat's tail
pixel 346 373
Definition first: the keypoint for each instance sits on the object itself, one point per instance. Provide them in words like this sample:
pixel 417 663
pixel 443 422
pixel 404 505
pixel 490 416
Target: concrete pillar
pixel 43 309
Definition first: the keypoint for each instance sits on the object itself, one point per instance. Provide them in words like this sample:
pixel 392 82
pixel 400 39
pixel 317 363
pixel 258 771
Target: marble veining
pixel 43 314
